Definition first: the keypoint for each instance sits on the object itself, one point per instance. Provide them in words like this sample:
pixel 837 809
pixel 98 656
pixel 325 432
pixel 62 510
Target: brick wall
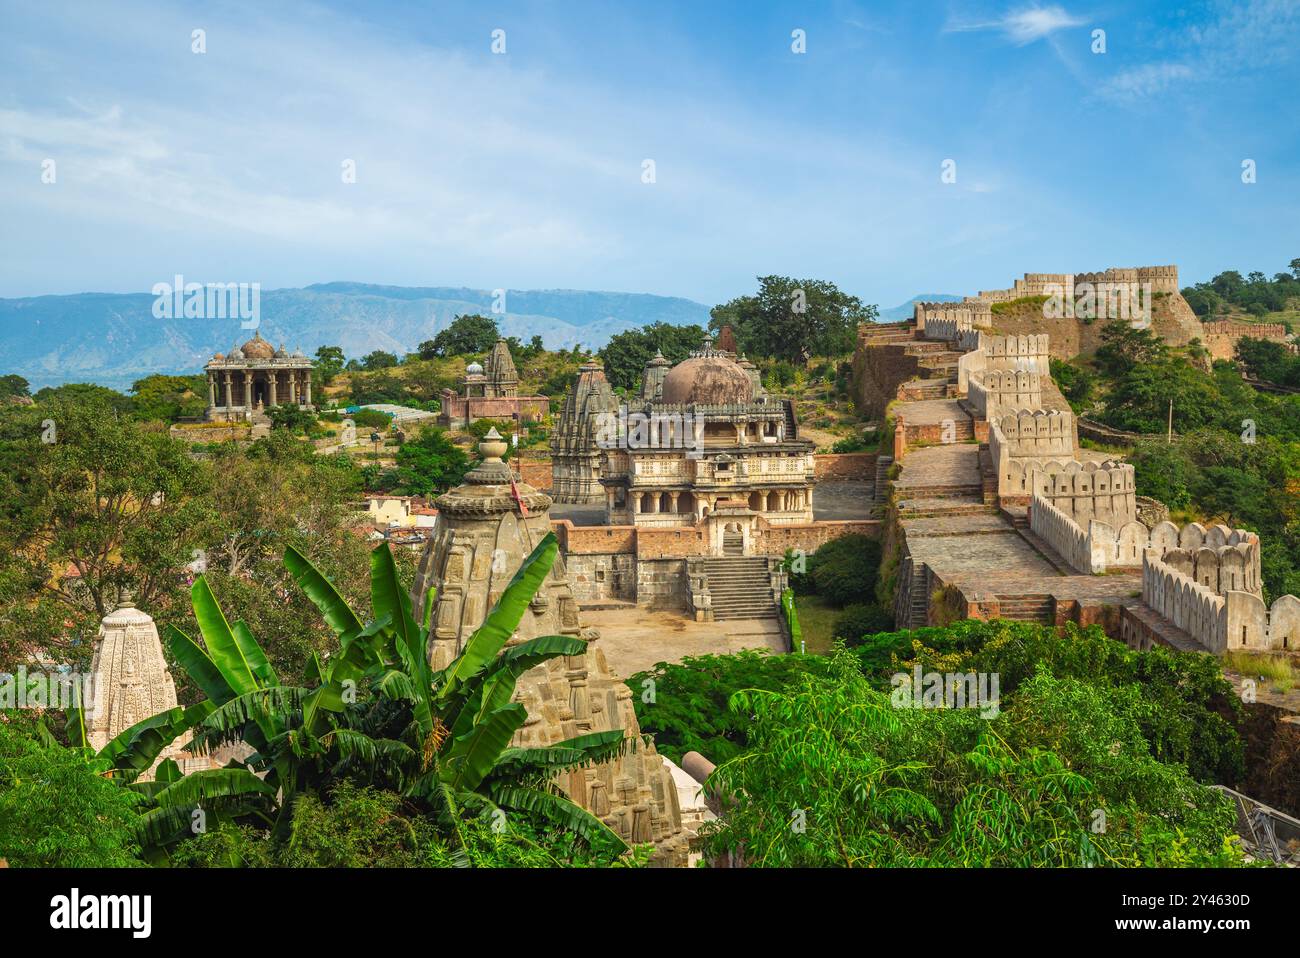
pixel 593 540
pixel 774 540
pixel 535 472
pixel 847 465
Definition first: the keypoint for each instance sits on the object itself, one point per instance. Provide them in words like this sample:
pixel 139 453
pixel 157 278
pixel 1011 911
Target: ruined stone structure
pixel 490 391
pixel 576 454
pixel 245 382
pixel 485 530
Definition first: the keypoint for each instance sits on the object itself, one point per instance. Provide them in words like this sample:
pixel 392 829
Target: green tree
pixel 89 505
pixel 468 335
pixel 78 393
pixel 378 359
pixel 13 385
pixel 169 398
pixel 329 363
pixel 1124 346
pixel 794 319
pixel 55 810
pixel 626 354
pixel 430 464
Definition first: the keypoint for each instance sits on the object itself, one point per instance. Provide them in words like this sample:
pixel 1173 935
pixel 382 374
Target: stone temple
pixel 490 391
pixel 486 528
pixel 249 379
pixel 706 439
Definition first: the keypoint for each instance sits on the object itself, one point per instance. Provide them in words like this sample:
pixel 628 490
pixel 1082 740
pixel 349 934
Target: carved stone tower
pixel 575 452
pixel 485 529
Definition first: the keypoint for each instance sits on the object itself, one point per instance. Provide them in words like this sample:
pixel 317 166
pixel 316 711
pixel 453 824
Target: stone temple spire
pixel 486 528
pixel 130 681
pixel 503 378
pixel 575 449
pixel 652 378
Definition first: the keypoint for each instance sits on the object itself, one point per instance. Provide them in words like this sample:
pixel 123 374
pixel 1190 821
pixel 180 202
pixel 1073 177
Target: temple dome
pixel 257 348
pixel 474 369
pixel 707 380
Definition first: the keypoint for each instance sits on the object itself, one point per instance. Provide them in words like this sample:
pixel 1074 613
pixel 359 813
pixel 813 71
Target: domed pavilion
pixel 245 382
pixel 706 444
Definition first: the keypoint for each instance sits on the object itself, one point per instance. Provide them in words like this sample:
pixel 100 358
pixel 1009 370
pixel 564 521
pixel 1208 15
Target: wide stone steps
pixel 1027 608
pixel 931 508
pixel 739 588
pixel 964 491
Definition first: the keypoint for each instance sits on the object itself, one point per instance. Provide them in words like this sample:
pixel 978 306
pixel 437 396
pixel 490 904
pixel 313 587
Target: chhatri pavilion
pixel 245 382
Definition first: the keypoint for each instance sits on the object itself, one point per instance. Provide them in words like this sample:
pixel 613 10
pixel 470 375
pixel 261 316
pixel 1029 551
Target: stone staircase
pixel 881 489
pixel 1031 607
pixel 930 508
pixel 739 588
pixel 918 608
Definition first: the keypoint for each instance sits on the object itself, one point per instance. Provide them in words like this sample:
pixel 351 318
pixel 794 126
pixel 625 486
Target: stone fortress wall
pixel 1203 581
pixel 1221 336
pixel 1219 622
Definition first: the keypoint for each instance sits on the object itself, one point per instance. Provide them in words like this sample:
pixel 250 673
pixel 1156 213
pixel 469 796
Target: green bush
pixel 55 812
pixel 844 570
pixel 859 621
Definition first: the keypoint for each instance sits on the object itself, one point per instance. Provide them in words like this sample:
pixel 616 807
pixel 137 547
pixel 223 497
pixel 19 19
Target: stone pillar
pixel 212 390
pixel 672 502
pixel 636 501
pixel 654 502
pixel 248 390
pixel 271 388
pixel 230 394
pixel 293 388
pixel 307 385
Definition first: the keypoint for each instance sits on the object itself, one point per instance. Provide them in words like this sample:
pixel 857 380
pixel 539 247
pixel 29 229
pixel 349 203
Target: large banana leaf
pixel 333 607
pixel 199 666
pixel 561 811
pixel 582 750
pixel 270 709
pixel 254 656
pixel 214 783
pixel 223 647
pixel 492 636
pixel 496 684
pixel 134 749
pixel 473 755
pixel 389 600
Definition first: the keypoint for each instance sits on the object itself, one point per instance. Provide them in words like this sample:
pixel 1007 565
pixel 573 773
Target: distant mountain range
pixel 114 338
pixel 903 311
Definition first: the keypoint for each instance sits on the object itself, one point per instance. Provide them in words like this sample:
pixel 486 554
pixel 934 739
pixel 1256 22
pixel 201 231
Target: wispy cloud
pixel 1146 80
pixel 1023 26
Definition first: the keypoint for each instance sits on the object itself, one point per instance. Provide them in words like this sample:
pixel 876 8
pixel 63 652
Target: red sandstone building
pixel 490 392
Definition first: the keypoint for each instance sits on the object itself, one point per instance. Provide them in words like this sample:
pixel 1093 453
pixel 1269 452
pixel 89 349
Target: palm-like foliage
pixel 376 711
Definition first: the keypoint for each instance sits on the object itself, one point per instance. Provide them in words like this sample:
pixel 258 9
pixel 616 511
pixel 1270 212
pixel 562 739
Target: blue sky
pixel 524 169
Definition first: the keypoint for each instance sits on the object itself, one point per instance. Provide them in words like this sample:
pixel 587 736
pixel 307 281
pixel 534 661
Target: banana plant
pixel 450 745
pixel 376 710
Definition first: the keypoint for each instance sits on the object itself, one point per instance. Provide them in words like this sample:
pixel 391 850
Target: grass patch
pixel 1276 670
pixel 817 620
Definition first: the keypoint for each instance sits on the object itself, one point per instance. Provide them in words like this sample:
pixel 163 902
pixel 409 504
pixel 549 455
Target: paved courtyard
pixel 636 639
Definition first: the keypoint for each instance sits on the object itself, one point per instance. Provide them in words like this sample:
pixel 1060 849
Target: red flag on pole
pixel 514 494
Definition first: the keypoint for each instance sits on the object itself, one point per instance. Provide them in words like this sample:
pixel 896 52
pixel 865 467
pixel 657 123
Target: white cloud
pixel 1025 25
pixel 1145 80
